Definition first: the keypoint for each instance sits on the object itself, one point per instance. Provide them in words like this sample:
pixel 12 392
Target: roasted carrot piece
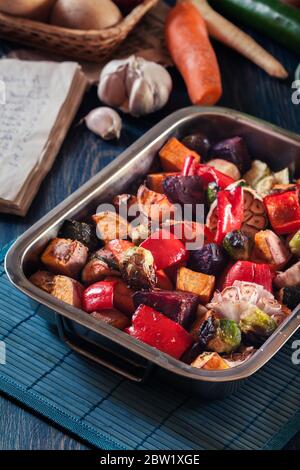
pixel 197 283
pixel 173 155
pixel 190 48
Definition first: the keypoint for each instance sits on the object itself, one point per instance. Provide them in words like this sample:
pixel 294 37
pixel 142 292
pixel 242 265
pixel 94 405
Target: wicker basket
pixel 91 46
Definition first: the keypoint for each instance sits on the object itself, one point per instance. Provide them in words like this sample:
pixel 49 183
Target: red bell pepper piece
pixel 207 173
pixel 284 211
pixel 98 296
pixel 230 211
pixel 159 331
pixel 249 272
pixel 167 250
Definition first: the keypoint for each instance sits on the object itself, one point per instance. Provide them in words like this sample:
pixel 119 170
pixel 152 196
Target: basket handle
pixel 125 367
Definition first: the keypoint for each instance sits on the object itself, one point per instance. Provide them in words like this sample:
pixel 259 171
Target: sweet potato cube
pixel 197 283
pixel 155 181
pixel 173 155
pixel 66 257
pixel 210 361
pixel 62 287
pixel 110 226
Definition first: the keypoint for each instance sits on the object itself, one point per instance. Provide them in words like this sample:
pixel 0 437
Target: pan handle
pixel 126 367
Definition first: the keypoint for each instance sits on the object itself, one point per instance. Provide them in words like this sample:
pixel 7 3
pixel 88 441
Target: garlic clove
pixel 112 87
pixel 104 122
pixel 141 100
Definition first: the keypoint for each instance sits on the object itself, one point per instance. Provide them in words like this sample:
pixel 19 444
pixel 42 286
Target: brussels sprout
pixel 227 336
pixel 235 151
pixel 290 296
pixel 294 244
pixel 212 192
pixel 80 231
pixel 137 268
pixel 197 142
pixel 238 245
pixel 256 325
pixel 210 259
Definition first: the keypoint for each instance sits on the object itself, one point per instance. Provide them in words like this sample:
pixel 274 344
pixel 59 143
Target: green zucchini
pixel 272 17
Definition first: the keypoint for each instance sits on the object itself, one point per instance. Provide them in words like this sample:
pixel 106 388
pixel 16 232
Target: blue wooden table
pixel 246 88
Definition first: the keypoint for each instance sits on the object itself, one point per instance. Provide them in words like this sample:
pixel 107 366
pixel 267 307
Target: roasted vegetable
pixel 178 306
pixel 122 298
pixel 269 248
pixel 173 154
pixel 98 296
pixel 154 206
pixel 289 278
pixel 210 361
pixel 66 257
pixel 126 206
pixel 256 325
pixel 184 190
pixel 192 234
pixel 290 296
pixel 238 357
pixel 208 174
pixel 118 248
pixel 138 269
pixel 212 192
pixel 230 209
pixel 199 143
pixel 210 259
pixel 62 287
pixel 202 315
pixel 140 232
pixel 158 331
pixel 294 244
pixel 284 211
pixel 258 171
pixel 110 226
pixel 226 167
pixel 166 249
pixel 238 245
pixel 163 281
pixel 100 265
pixel 197 283
pixel 249 272
pixel 155 181
pixel 226 338
pixel 113 317
pixel 235 151
pixel 80 231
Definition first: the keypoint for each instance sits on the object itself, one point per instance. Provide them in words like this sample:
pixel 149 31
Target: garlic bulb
pixel 135 85
pixel 104 122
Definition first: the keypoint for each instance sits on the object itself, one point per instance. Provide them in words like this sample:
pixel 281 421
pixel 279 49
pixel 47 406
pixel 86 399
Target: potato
pixel 66 257
pixel 197 283
pixel 85 14
pixel 210 361
pixel 112 317
pixel 62 287
pixel 38 10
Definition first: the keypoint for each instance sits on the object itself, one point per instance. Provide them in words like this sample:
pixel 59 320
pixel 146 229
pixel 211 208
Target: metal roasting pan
pixel 104 344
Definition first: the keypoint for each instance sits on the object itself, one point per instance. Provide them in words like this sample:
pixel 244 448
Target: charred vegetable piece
pixel 166 249
pixel 289 278
pixel 199 143
pixel 235 151
pixel 227 336
pixel 284 211
pixel 98 296
pixel 63 288
pixel 110 226
pixel 211 259
pixel 138 268
pixel 200 319
pixel 100 265
pixel 158 331
pixel 290 296
pixel 197 283
pixel 178 306
pixel 249 272
pixel 154 206
pixel 228 168
pixel 269 248
pixel 155 181
pixel 173 154
pixel 238 245
pixel 122 296
pixel 256 325
pixel 118 248
pixel 210 361
pixel 212 192
pixel 126 206
pixel 294 244
pixel 184 190
pixel 113 317
pixel 66 257
pixel 81 231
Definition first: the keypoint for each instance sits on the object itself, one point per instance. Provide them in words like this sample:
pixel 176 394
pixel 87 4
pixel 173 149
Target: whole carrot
pixel 190 48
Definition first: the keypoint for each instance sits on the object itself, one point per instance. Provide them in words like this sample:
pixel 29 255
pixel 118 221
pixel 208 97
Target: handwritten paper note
pixel 34 95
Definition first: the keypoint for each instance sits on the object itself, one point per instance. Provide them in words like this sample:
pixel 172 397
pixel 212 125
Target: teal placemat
pixel 113 413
